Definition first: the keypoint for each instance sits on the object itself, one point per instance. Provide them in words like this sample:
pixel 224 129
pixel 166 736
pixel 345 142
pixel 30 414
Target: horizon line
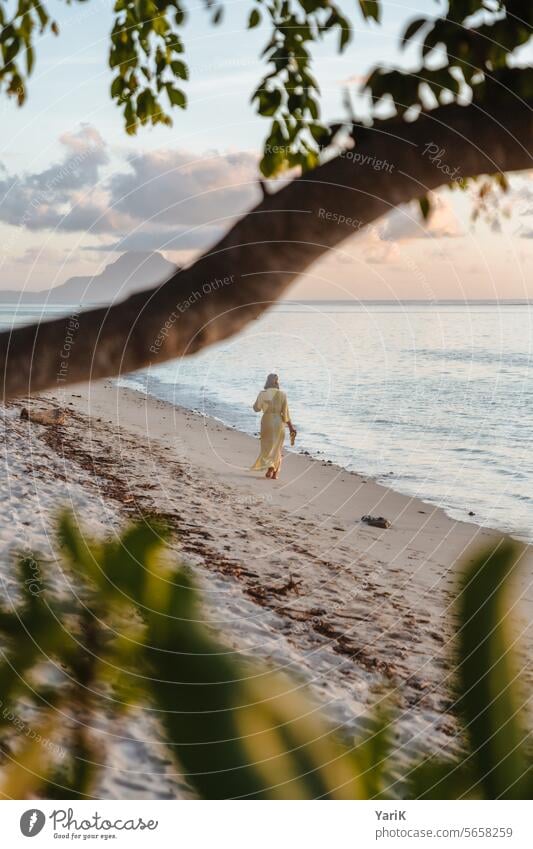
pixel 392 301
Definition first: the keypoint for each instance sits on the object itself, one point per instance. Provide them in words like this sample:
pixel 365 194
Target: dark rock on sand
pixel 376 521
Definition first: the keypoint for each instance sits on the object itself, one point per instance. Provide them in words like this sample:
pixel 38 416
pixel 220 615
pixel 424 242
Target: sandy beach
pixel 289 573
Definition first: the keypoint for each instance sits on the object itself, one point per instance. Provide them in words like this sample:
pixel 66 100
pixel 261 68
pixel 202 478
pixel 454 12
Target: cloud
pixel 182 188
pixel 167 199
pixel 46 199
pixel 85 139
pixel 407 223
pixel 382 243
pixel 38 255
pixel 162 239
pixel 178 200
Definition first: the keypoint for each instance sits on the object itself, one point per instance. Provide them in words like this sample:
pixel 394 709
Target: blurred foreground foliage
pixel 132 638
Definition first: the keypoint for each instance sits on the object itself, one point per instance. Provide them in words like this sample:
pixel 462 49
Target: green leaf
pixel 42 14
pixel 425 207
pixel 124 563
pixel 238 731
pixel 117 87
pixel 268 102
pixel 30 59
pixel 255 18
pixel 490 698
pixel 82 553
pixel 180 69
pixel 146 105
pixel 320 133
pixel 311 6
pixel 313 107
pixel 412 30
pixel 345 31
pixel 373 754
pixel 436 778
pixel 371 9
pixel 176 96
pixel 271 163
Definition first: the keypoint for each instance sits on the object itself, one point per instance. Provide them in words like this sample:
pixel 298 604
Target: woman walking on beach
pixel 272 402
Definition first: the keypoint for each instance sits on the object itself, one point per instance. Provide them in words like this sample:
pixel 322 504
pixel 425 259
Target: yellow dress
pixel 273 404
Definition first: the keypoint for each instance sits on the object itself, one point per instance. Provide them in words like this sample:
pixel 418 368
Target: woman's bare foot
pixel 274 475
pixel 270 472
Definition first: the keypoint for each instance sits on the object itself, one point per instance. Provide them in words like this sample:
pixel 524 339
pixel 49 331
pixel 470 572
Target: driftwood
pixel 265 252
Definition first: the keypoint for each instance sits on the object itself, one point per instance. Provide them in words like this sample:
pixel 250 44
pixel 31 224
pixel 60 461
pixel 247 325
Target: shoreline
pixel 456 513
pixel 213 423
pixel 287 570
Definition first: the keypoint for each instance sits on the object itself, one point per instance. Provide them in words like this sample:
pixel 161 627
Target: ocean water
pixel 434 400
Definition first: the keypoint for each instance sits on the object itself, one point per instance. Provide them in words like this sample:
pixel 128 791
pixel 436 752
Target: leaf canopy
pixel 472 43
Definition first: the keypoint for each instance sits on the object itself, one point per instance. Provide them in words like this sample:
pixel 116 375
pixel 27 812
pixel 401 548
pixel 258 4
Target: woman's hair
pixel 272 382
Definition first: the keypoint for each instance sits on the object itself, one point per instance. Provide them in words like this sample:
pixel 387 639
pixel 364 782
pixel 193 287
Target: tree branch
pixel 265 251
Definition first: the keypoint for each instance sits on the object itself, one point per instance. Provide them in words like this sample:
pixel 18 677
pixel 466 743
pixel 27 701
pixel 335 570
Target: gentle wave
pixel 479 355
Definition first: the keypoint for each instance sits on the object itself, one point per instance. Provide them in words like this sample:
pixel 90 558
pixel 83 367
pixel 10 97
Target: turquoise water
pixel 434 400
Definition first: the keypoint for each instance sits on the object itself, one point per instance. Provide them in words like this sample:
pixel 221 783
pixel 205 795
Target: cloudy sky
pixel 75 191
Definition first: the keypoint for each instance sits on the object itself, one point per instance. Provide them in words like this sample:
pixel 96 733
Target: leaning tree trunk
pixel 266 250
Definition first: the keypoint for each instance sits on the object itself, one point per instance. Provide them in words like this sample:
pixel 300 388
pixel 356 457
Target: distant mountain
pixel 131 272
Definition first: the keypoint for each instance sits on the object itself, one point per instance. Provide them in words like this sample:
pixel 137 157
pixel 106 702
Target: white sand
pixel 288 571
